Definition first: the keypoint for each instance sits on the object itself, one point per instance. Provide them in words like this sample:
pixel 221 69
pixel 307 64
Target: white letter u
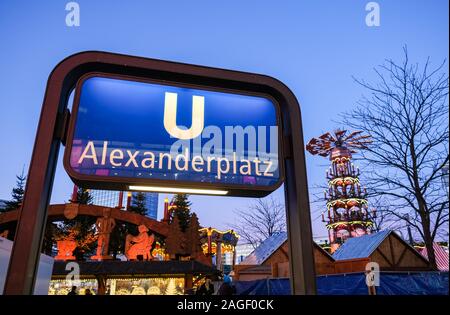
pixel 170 117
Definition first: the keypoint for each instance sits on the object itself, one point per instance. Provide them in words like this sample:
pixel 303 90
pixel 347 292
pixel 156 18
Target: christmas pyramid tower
pixel 347 212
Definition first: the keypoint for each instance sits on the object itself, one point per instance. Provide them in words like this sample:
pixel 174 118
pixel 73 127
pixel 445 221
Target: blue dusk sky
pixel 314 47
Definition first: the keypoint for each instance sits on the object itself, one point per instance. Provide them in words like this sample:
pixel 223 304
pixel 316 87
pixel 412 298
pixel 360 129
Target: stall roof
pixel 360 247
pixel 441 256
pixel 269 246
pixel 265 249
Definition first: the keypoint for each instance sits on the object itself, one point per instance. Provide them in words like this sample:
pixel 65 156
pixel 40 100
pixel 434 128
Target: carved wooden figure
pixel 105 226
pixel 139 245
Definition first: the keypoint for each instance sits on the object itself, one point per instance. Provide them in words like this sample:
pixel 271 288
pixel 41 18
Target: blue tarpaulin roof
pixel 395 283
pixel 360 247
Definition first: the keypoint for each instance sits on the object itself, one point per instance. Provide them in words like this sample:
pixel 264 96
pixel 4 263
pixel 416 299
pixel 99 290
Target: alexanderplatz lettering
pixel 182 162
pixel 142 134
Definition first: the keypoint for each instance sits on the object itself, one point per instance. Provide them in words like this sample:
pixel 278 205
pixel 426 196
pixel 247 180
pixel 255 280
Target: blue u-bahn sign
pixel 147 124
pixel 129 134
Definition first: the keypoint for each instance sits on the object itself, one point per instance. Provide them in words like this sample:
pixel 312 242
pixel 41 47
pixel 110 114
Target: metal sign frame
pixel 122 183
pixel 52 129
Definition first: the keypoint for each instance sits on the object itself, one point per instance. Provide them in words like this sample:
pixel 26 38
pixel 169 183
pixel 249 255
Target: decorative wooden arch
pixel 56 212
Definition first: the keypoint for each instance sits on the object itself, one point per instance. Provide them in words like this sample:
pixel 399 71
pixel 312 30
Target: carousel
pixel 216 243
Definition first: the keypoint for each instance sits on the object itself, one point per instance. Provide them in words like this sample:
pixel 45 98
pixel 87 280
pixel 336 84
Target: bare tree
pixel 407 116
pixel 260 220
pixel 382 217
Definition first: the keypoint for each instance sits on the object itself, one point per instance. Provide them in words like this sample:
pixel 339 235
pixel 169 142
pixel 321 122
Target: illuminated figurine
pixel 65 249
pixel 139 245
pixel 105 226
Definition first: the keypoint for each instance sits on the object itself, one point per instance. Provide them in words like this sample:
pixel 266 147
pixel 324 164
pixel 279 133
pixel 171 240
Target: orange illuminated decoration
pixel 105 226
pixel 65 249
pixel 139 245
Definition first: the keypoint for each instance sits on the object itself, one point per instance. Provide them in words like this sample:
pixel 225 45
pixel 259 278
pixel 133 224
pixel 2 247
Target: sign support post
pixel 25 254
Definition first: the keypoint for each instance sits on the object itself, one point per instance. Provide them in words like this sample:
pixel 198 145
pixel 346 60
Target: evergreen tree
pixel 84 227
pixel 81 228
pixel 118 235
pixel 182 210
pixel 138 203
pixel 84 197
pixel 51 229
pixel 175 242
pixel 193 235
pixel 122 229
pixel 17 193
